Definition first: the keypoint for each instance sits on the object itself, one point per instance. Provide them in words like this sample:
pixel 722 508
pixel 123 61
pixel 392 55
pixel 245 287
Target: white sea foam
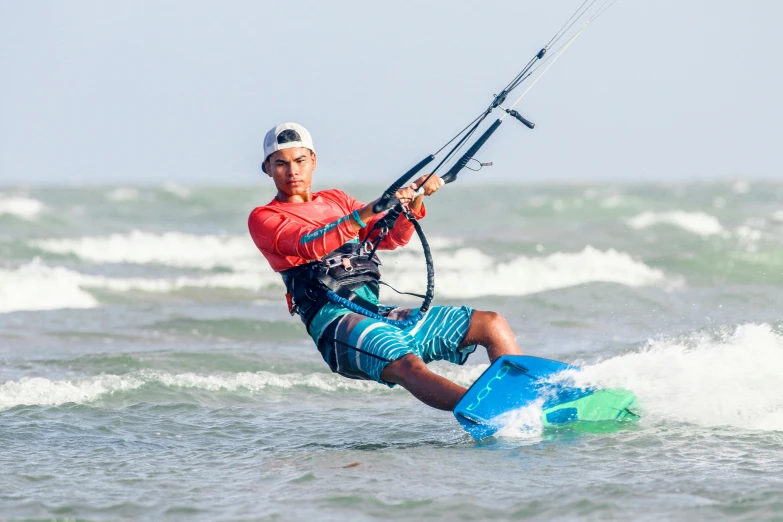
pixel 733 381
pixel 170 248
pixel 35 286
pixel 180 191
pixel 740 187
pixel 470 273
pixel 618 200
pixel 462 375
pixel 46 392
pixel 252 281
pixel 123 194
pixel 523 423
pixel 462 272
pixel 694 222
pixel 21 207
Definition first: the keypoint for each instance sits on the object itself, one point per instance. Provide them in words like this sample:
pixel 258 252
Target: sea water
pixel 150 369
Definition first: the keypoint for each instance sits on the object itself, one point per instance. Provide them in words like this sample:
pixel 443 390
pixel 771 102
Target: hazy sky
pixel 143 91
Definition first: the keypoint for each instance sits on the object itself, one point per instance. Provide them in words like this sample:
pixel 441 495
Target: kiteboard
pixel 516 381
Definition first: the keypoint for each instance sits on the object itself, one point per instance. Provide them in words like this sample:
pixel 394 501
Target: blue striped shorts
pixel 358 347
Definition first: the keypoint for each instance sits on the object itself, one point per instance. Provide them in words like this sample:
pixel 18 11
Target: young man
pixel 299 227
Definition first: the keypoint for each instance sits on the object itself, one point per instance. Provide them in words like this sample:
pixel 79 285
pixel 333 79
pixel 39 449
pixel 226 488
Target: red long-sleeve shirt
pixel 292 234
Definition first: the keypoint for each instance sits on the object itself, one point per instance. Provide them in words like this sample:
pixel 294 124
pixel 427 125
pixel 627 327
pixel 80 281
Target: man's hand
pixel 409 194
pixel 432 185
pixel 406 195
pixel 427 188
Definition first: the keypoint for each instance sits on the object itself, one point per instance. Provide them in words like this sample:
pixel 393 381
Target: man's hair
pixel 287 136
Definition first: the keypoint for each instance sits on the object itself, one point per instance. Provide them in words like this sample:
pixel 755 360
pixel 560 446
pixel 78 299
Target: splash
pixel 523 423
pixel 732 379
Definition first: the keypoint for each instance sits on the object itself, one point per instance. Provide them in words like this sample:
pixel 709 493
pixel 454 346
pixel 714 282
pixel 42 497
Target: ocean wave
pixel 462 273
pixel 180 249
pixel 178 190
pixel 170 248
pixel 21 207
pixel 35 286
pixel 471 273
pixel 729 380
pixel 238 281
pixel 121 194
pixel 694 222
pixel 40 391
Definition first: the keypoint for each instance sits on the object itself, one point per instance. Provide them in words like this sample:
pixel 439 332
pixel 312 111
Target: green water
pixel 150 369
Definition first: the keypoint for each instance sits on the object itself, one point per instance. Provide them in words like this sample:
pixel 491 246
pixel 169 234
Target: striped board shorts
pixel 359 347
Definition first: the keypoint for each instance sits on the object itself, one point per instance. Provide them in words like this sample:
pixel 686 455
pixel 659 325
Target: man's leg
pixel 412 373
pixel 488 329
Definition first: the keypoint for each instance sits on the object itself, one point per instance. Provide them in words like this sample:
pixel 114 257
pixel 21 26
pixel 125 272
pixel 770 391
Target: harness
pixel 334 278
pixel 340 272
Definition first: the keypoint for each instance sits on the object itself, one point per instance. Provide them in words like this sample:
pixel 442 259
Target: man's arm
pixel 402 231
pixel 405 195
pixel 278 234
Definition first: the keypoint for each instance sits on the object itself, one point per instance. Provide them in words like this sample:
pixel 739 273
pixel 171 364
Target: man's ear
pixel 266 168
pixel 315 159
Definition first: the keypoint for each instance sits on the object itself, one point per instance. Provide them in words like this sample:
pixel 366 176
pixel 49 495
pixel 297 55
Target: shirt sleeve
pixel 276 233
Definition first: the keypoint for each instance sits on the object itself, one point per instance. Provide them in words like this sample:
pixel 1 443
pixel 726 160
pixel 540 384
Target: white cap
pixel 278 139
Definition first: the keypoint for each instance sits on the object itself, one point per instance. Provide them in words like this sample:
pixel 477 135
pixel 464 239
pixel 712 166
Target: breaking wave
pixel 461 272
pixel 121 194
pixel 35 286
pixel 40 391
pixel 171 248
pixel 21 207
pixel 471 273
pixel 694 222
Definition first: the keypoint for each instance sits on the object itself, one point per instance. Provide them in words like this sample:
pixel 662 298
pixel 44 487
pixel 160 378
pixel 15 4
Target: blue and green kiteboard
pixel 516 381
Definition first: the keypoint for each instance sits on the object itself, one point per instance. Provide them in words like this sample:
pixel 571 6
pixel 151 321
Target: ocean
pixel 151 371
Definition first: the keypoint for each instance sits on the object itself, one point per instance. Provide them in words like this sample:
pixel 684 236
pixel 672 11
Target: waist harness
pixel 334 278
pixel 339 273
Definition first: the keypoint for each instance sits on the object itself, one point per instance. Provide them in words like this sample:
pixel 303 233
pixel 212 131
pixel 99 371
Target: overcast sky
pixel 153 91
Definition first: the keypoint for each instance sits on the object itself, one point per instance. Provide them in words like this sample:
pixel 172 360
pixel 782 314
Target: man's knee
pixel 403 369
pixel 489 322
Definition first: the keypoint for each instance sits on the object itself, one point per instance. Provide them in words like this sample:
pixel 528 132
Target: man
pixel 300 228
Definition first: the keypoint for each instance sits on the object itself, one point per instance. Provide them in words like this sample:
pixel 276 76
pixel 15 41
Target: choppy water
pixel 150 369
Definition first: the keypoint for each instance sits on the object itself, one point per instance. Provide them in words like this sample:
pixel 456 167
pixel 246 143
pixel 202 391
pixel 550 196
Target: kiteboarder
pixel 318 242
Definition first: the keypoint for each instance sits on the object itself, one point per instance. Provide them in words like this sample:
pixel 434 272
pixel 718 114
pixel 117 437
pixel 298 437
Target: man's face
pixel 292 169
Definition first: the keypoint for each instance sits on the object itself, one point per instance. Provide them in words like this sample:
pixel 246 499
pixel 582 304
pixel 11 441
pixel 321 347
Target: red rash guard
pixel 292 234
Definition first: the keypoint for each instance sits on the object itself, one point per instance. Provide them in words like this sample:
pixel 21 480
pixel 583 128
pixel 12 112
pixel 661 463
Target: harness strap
pixel 338 274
